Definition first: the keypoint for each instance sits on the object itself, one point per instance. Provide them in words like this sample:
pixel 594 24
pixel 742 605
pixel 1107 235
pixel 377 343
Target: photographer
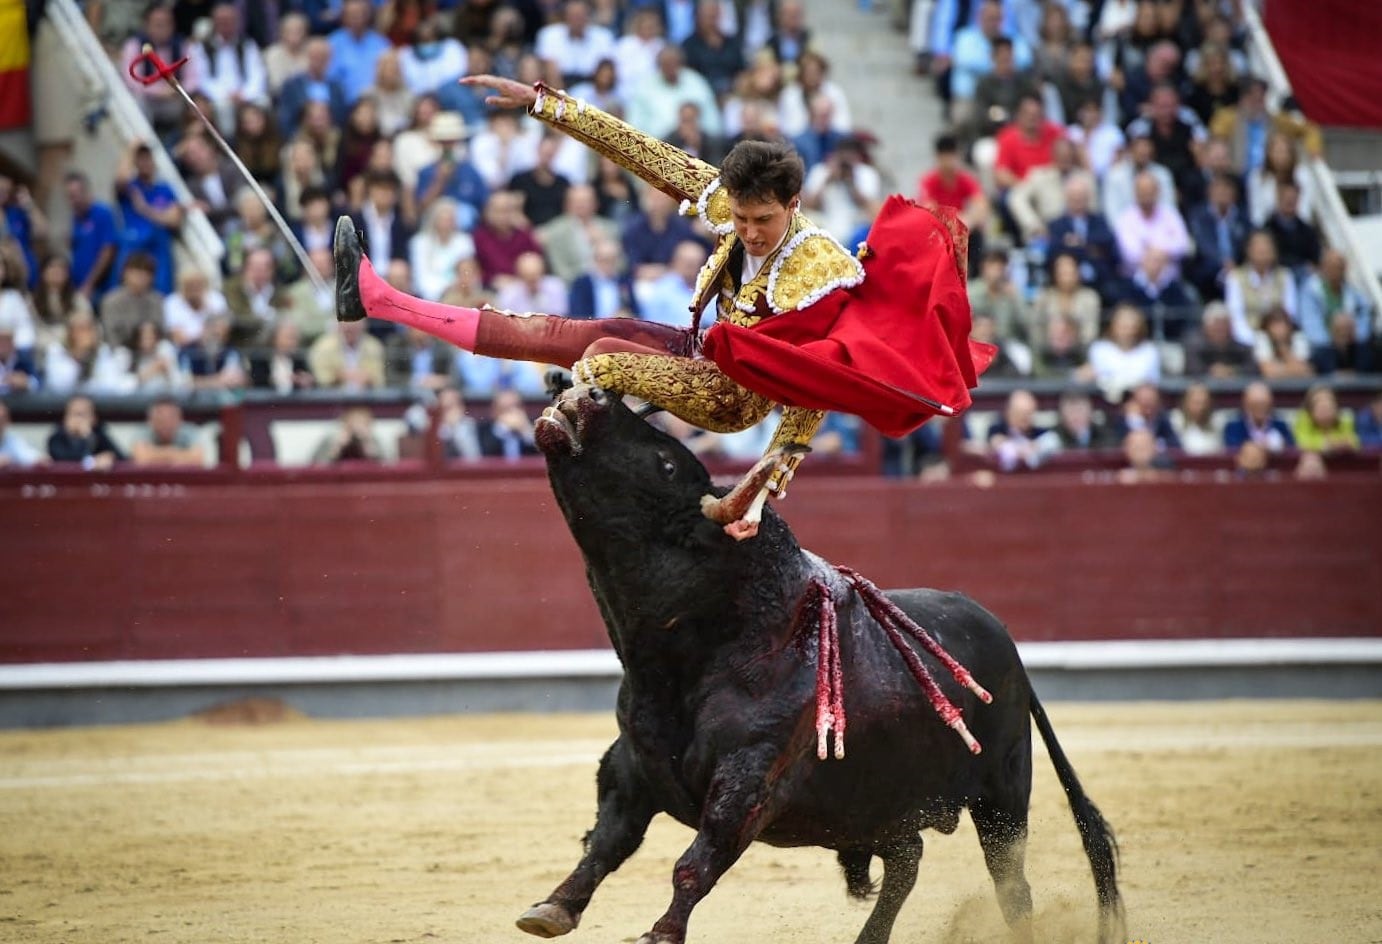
pixel 844 190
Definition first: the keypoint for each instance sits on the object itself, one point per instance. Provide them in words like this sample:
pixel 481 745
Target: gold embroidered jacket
pixel 808 265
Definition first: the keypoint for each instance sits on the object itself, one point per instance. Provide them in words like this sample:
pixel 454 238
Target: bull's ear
pixel 558 381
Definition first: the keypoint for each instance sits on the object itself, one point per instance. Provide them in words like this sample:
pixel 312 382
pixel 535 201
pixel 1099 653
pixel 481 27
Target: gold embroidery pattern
pixel 693 390
pixel 798 427
pixel 668 168
pixel 714 210
pixel 713 271
pixel 812 265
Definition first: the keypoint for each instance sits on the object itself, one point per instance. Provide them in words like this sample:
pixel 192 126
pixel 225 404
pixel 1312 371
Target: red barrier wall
pixel 269 569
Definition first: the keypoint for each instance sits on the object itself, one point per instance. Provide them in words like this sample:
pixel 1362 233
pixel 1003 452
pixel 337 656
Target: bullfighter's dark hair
pixel 762 170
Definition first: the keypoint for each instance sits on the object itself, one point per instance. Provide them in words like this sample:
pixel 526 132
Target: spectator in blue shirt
pixel 452 175
pixel 151 214
pixel 355 49
pixel 1368 423
pixel 652 235
pixel 95 239
pixel 316 83
pixel 24 222
pixel 15 451
pixel 1257 423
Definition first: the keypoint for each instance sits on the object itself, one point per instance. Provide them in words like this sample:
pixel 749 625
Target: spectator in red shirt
pixel 1026 143
pixel 950 185
pixel 502 235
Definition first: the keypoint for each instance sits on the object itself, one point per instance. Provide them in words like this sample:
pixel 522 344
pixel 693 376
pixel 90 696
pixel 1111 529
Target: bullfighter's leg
pixel 700 393
pixel 625 809
pixel 1002 828
pixel 546 339
pixel 736 809
pixel 900 862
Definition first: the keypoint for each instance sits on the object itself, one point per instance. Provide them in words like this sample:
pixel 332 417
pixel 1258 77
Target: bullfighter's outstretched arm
pixel 669 169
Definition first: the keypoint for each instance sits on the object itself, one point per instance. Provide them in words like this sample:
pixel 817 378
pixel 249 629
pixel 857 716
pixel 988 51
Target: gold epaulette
pixel 810 266
pixel 712 207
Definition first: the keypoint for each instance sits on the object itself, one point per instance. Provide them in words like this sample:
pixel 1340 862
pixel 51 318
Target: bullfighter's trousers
pixel 643 359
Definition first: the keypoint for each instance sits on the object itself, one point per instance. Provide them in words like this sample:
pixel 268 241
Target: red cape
pixel 894 350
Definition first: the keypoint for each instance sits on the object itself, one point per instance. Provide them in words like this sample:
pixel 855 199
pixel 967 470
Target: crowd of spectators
pixel 1136 210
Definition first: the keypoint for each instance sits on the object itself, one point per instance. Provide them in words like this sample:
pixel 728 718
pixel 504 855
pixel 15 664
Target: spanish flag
pixel 15 107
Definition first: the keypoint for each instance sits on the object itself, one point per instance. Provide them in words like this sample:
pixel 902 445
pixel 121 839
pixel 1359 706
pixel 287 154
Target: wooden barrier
pixel 200 565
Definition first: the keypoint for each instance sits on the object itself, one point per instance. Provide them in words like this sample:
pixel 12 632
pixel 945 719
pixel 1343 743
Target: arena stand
pixel 266 557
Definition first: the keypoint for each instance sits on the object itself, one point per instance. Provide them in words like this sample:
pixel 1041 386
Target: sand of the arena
pixel 1248 822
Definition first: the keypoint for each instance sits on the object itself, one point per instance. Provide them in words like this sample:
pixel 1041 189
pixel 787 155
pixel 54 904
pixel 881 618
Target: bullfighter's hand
pixel 508 93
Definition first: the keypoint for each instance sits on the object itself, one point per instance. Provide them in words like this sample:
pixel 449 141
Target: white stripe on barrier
pixel 602 664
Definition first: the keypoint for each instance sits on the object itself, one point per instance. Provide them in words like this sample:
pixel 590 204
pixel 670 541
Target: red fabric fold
pixel 894 350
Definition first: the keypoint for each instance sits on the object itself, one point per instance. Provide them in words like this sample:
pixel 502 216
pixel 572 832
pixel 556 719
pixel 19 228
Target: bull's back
pixel 903 768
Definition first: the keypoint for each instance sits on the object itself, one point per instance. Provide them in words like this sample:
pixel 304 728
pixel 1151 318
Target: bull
pixel 715 710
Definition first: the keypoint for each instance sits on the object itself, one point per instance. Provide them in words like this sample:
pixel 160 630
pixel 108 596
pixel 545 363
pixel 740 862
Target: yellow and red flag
pixel 15 108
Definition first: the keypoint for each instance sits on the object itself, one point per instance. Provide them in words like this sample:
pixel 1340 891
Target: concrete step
pixel 870 60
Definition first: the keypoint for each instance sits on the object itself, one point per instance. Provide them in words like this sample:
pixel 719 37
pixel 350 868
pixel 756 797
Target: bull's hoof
pixel 651 938
pixel 548 920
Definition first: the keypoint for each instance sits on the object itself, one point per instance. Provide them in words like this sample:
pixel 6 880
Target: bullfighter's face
pixel 761 224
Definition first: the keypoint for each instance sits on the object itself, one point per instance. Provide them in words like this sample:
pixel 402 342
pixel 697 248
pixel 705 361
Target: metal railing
pixel 197 236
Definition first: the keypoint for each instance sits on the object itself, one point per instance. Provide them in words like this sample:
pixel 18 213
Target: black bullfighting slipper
pixel 348 253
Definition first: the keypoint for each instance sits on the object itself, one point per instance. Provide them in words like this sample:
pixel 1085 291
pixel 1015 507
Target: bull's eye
pixel 598 395
pixel 667 465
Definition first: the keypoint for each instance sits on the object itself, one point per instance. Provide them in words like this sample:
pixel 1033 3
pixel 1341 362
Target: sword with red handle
pixel 157 70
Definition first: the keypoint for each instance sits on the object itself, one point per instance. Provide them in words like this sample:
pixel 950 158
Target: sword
pixel 167 71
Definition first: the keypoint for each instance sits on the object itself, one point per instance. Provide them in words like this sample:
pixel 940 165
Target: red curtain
pixel 1329 49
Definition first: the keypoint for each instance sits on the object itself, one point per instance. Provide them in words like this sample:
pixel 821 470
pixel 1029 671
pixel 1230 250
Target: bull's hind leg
pixel 1002 829
pixel 624 813
pixel 900 862
pixel 734 812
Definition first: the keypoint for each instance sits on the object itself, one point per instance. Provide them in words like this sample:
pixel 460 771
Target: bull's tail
pixel 1095 833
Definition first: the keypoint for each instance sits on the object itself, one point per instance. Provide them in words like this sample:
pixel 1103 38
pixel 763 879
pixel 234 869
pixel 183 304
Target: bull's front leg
pixel 625 809
pixel 737 807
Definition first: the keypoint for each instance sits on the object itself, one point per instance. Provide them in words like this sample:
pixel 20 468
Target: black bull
pixel 716 711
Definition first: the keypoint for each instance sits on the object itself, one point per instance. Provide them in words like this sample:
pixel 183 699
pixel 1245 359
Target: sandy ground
pixel 1243 822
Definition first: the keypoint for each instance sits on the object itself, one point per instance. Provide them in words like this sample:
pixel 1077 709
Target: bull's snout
pixel 565 425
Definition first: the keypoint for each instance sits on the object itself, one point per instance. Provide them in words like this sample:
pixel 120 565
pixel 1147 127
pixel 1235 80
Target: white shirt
pixel 232 73
pixel 497 160
pixel 379 232
pixel 412 151
pixel 794 116
pixel 838 214
pixel 1102 145
pixel 427 75
pixel 1117 369
pixel 62 374
pixel 17 317
pixel 434 261
pixel 180 318
pixel 635 58
pixel 575 55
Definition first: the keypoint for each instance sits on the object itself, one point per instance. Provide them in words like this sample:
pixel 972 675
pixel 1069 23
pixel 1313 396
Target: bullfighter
pixel 801 321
